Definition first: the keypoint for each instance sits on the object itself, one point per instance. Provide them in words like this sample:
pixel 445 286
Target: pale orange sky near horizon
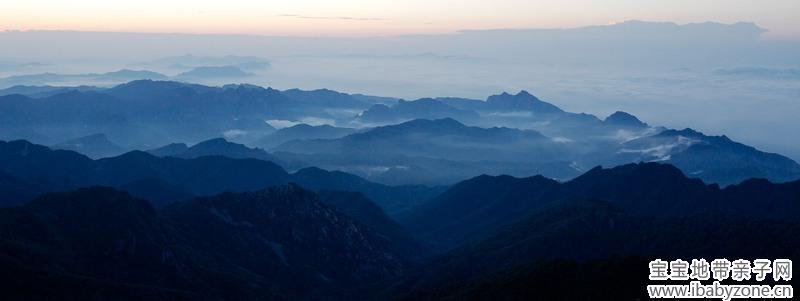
pixel 381 17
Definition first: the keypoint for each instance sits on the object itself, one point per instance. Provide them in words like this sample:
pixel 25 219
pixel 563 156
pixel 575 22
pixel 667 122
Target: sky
pixel 381 17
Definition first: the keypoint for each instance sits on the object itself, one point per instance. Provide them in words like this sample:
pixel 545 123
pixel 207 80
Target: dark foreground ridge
pixel 98 243
pixel 513 238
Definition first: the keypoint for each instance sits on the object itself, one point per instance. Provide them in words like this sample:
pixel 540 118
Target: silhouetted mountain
pixel 129 75
pixel 223 247
pixel 475 208
pixel 149 89
pixel 214 147
pixel 290 227
pixel 94 146
pixel 202 175
pixel 152 112
pixel 624 119
pixel 57 170
pixel 647 189
pixel 425 108
pixel 205 175
pixel 590 229
pixel 463 103
pixel 119 76
pixel 44 91
pixel 715 159
pixel 371 99
pixel 28 161
pixel 523 110
pixel 34 79
pixel 302 132
pixel 327 98
pixel 441 138
pixel 522 101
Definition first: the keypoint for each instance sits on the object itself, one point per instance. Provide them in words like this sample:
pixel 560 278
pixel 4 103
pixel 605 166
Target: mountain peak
pixel 420 124
pixel 522 101
pixel 524 93
pixel 135 155
pixel 641 171
pixel 133 74
pixel 301 126
pixel 225 148
pixel 24 148
pixel 437 123
pixel 688 132
pixel 147 87
pixel 222 144
pixel 214 142
pixel 624 119
pixel 243 87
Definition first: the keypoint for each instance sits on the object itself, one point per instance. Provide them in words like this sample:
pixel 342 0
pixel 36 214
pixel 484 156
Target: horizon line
pixel 368 36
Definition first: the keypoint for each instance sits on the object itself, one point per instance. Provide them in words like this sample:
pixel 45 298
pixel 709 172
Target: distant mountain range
pixel 432 152
pixel 152 113
pixel 120 76
pixel 514 134
pixel 425 108
pixel 197 73
pixel 44 91
pixel 441 138
pixel 415 146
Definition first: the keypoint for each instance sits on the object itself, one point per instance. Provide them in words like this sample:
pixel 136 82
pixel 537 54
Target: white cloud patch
pixel 561 140
pixel 313 121
pixel 280 123
pixel 511 114
pixel 234 133
pixel 625 135
pixel 664 151
pixel 317 121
